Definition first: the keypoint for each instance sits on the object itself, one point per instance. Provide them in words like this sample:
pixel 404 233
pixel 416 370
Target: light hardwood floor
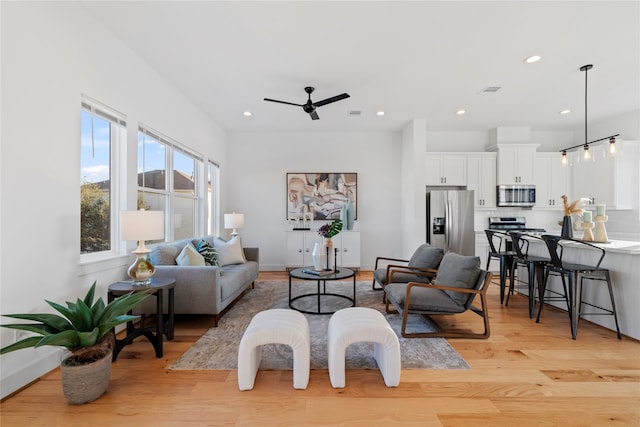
pixel 525 374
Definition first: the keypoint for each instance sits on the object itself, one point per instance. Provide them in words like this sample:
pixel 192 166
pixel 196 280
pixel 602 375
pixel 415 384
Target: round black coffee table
pixel 306 274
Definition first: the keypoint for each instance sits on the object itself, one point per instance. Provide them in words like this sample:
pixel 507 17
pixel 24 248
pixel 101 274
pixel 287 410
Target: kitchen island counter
pixel 623 261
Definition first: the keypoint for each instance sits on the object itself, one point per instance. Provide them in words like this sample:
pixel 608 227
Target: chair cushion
pixel 381 277
pixel 426 256
pixel 423 300
pixel 458 271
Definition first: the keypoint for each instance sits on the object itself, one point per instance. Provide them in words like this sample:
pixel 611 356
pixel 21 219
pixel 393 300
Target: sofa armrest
pixel 252 254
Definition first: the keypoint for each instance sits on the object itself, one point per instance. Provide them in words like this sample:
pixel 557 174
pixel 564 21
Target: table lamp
pixel 141 226
pixel 233 220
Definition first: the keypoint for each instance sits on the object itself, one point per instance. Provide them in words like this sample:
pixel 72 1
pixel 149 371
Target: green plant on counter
pixel 331 229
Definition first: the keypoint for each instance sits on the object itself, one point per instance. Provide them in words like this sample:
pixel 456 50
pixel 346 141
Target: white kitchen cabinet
pixel 551 179
pixel 445 169
pixel 300 246
pixel 612 181
pixel 516 163
pixel 481 178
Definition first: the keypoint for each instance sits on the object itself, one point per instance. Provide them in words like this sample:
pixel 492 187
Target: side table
pixel 153 334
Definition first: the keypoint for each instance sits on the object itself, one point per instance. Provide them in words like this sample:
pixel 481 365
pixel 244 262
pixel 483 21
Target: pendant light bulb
pixel 612 146
pixel 587 154
pixel 563 160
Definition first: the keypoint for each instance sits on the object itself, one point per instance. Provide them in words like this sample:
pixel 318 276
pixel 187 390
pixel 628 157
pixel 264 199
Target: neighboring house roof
pixel 156 179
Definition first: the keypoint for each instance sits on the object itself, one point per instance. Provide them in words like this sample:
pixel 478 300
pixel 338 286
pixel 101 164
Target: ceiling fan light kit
pixel 310 107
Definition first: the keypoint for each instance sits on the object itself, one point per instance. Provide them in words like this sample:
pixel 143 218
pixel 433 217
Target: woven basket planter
pixel 85 383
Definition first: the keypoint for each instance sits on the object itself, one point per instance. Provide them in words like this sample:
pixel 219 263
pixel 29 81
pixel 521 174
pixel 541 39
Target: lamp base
pixel 141 270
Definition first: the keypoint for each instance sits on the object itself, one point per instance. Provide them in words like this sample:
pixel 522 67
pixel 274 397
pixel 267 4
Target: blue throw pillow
pixel 209 253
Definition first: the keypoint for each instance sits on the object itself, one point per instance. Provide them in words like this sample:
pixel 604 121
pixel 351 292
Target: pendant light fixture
pixel 586 154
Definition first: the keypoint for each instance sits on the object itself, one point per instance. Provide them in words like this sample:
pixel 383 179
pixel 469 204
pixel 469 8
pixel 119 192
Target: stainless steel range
pixel 512 223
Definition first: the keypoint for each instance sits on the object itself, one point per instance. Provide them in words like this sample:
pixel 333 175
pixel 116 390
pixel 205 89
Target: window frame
pixel 117 176
pixel 169 193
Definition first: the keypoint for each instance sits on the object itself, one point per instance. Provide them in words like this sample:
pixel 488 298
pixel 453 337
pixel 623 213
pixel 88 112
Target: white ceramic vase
pixel 318 256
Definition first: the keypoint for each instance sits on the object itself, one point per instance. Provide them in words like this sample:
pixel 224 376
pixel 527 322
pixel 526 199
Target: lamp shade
pixel 142 225
pixel 233 220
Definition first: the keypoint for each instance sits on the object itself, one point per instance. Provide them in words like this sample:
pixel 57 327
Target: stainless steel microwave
pixel 516 195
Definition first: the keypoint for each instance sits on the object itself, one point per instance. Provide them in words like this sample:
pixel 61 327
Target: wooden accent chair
pixel 457 282
pixel 424 259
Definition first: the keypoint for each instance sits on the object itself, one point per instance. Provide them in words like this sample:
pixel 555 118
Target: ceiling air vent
pixel 355 113
pixel 490 90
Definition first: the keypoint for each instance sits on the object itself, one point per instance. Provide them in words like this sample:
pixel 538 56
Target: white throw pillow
pixel 230 252
pixel 189 256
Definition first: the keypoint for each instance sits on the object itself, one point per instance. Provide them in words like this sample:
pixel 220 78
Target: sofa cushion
pixel 166 253
pixel 208 252
pixel 189 256
pixel 458 271
pixel 230 252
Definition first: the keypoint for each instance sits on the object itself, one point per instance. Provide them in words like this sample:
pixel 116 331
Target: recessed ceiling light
pixel 380 113
pixel 565 111
pixel 247 113
pixel 461 112
pixel 532 59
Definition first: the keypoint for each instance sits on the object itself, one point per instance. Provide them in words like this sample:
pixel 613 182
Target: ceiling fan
pixel 310 107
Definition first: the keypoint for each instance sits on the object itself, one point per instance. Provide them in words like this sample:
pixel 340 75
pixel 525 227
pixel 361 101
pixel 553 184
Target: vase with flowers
pixel 328 231
pixel 573 208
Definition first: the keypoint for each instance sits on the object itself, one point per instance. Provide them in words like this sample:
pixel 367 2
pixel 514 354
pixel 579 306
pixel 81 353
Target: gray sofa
pixel 201 289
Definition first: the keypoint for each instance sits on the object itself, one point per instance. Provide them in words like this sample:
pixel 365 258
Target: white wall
pixel 51 54
pixel 256 186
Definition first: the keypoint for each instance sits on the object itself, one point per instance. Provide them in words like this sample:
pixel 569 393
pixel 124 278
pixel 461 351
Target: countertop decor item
pixel 573 208
pixel 84 328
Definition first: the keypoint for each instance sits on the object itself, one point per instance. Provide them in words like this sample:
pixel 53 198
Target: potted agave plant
pixel 85 329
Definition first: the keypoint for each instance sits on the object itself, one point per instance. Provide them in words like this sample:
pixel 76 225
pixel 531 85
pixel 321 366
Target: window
pixel 176 193
pixel 213 199
pixel 103 130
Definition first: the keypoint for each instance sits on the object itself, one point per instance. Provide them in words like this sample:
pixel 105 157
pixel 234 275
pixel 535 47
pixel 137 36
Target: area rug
pixel 217 349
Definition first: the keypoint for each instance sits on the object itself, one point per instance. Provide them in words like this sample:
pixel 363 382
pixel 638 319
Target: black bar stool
pixel 535 267
pixel 502 254
pixel 577 273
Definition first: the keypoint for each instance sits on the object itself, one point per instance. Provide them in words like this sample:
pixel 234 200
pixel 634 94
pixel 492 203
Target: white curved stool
pixel 361 324
pixel 276 326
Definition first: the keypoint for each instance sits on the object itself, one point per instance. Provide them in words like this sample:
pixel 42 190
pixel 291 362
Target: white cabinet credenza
pixel 300 245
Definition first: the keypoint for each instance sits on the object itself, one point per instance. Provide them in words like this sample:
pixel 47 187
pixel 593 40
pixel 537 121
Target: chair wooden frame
pixel 381 258
pixel 443 333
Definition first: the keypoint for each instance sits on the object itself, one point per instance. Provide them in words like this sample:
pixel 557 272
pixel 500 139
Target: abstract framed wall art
pixel 320 196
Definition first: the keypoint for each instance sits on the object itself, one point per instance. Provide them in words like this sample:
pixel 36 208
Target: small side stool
pixel 276 326
pixel 361 324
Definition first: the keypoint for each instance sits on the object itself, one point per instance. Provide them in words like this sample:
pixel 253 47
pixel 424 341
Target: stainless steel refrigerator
pixel 450 221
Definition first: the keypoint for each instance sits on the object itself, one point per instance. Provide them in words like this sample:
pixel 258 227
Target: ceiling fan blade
pixel 330 100
pixel 314 115
pixel 282 102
